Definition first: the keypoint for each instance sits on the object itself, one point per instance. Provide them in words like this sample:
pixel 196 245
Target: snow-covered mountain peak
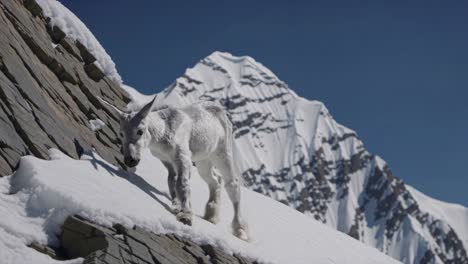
pixel 237 66
pixel 292 149
pixel 233 72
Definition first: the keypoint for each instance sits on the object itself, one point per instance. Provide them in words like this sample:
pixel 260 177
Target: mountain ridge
pixel 323 169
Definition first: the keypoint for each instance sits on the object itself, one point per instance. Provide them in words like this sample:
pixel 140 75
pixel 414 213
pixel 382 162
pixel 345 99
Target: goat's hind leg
pixel 183 166
pixel 232 184
pixel 171 181
pixel 206 171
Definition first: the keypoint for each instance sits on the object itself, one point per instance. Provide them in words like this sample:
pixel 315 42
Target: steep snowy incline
pixel 106 195
pixel 292 150
pixel 453 214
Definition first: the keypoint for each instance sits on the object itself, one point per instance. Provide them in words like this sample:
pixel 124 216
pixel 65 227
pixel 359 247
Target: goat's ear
pixel 118 111
pixel 147 108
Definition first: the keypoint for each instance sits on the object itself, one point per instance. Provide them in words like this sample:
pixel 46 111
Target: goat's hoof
pixel 241 234
pixel 212 219
pixel 175 208
pixel 185 218
pixel 240 230
pixel 212 212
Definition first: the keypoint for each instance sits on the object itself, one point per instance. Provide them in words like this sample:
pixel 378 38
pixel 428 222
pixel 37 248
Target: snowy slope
pixel 292 149
pixel 45 192
pixel 322 169
pixel 453 214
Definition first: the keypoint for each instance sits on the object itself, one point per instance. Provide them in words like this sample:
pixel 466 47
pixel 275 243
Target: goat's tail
pixel 230 147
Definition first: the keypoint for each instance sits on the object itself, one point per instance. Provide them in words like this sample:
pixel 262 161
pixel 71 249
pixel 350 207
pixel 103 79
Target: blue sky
pixel 394 71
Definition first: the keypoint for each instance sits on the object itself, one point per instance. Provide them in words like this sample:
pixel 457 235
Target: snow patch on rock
pixel 75 29
pixel 96 124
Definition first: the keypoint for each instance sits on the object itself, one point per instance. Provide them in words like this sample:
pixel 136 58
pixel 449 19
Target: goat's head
pixel 134 133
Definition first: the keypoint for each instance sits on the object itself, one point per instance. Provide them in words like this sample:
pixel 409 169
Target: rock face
pixel 119 245
pixel 292 150
pixel 48 91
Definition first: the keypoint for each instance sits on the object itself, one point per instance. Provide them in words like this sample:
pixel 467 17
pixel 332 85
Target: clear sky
pixel 394 71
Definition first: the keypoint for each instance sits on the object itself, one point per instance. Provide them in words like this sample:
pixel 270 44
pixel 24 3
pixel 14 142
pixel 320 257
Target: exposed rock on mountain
pixel 120 245
pixel 48 90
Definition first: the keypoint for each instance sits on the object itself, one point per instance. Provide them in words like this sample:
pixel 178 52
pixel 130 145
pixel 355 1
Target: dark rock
pixel 98 244
pixel 48 91
pixel 94 72
pixel 70 47
pixel 79 239
pixel 218 257
pixel 44 249
pixel 33 7
pixel 56 34
pixel 88 58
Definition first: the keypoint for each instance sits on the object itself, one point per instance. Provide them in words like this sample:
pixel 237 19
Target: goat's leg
pixel 171 181
pixel 206 171
pixel 183 165
pixel 232 184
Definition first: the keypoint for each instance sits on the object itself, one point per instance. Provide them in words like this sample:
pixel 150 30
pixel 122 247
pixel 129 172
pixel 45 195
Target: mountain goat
pixel 199 133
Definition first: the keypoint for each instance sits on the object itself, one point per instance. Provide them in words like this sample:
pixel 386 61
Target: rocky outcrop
pixel 48 91
pixel 120 245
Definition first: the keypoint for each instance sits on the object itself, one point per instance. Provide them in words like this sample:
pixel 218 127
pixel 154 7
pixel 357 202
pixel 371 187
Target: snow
pixel 96 124
pixel 137 99
pixel 453 214
pixel 19 226
pixel 45 192
pixel 75 29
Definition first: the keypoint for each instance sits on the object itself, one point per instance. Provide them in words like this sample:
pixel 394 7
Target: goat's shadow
pixel 133 178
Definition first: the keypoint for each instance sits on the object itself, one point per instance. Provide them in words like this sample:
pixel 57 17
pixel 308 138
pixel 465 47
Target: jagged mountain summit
pixel 292 149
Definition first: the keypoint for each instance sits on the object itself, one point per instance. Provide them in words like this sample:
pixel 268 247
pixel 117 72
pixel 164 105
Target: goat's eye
pixel 121 135
pixel 139 132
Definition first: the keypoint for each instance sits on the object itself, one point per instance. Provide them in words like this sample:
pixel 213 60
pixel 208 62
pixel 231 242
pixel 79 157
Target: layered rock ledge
pixel 49 86
pixel 120 245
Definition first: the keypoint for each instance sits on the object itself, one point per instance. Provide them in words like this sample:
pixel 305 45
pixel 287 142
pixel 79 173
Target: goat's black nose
pixel 131 162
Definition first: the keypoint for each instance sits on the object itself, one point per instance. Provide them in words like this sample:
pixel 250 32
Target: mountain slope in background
pixel 292 149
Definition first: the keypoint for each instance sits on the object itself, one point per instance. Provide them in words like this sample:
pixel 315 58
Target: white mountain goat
pixel 199 133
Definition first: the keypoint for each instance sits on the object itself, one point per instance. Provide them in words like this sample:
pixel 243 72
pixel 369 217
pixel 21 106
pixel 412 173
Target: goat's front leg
pixel 183 165
pixel 172 181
